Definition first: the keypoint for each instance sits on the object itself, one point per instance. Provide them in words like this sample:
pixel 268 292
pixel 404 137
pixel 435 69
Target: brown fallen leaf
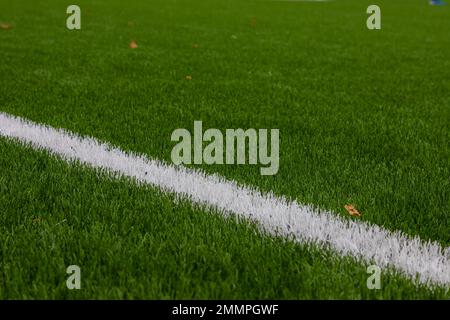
pixel 131 23
pixel 352 210
pixel 188 77
pixel 195 45
pixel 133 44
pixel 253 22
pixel 5 26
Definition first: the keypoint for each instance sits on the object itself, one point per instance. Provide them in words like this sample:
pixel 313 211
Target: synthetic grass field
pixel 364 118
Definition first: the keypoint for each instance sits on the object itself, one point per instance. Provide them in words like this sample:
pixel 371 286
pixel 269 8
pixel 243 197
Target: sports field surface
pixel 364 119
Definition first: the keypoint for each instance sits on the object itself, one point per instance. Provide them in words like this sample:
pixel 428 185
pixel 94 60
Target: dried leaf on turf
pixel 133 45
pixel 352 210
pixel 5 26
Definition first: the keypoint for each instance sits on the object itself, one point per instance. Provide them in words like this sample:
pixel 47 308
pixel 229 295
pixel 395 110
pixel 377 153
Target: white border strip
pixel 426 262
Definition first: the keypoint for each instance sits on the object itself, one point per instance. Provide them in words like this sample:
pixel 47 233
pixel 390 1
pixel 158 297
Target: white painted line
pixel 412 257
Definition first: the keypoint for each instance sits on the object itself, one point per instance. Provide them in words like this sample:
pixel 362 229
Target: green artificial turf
pixel 133 242
pixel 364 118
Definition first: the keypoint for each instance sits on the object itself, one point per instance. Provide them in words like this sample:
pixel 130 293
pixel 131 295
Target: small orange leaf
pixel 352 210
pixel 188 77
pixel 133 44
pixel 5 26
